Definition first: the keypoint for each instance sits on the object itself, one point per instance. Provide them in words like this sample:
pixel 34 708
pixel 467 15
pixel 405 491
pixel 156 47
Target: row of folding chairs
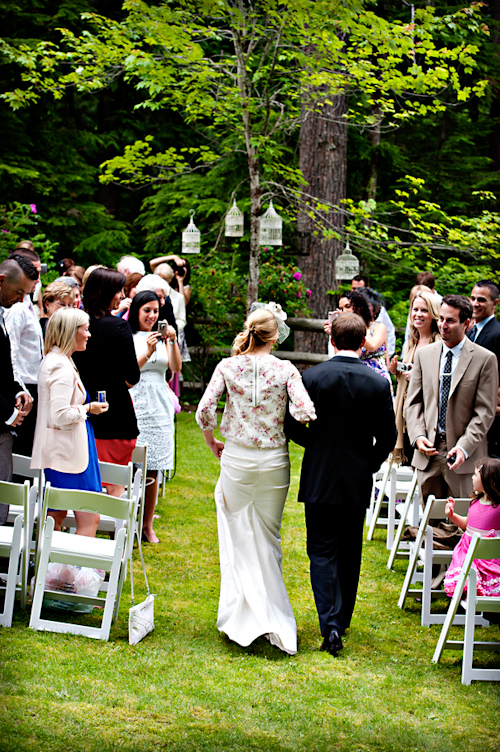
pixel 31 533
pixel 395 484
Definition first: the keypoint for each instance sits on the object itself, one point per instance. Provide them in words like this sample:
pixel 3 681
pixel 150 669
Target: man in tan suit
pixel 451 404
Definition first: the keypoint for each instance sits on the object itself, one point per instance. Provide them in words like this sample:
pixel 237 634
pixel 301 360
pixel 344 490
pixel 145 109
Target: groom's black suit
pixel 353 407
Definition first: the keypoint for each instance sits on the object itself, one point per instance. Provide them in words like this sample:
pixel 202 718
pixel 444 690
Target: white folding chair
pixel 83 551
pixel 480 548
pixel 424 553
pixel 396 484
pixel 119 475
pixel 409 512
pixel 21 465
pixel 15 545
pixel 379 485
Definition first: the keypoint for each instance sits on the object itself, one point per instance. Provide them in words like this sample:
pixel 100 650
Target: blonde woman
pixel 255 474
pixel 424 317
pixel 56 295
pixel 64 443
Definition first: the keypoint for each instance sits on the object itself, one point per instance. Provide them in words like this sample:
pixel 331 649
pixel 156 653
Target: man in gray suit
pixel 451 404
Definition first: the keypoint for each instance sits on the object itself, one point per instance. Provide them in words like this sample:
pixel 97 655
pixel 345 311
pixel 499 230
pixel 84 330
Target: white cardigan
pixel 61 441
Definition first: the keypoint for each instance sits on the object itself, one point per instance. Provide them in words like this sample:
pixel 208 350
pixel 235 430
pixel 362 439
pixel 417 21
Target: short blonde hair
pixel 61 329
pixel 164 271
pixel 57 291
pixel 89 271
pixel 153 282
pixel 260 328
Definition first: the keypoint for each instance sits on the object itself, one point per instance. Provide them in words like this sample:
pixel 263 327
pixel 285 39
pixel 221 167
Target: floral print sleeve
pixel 206 414
pixel 301 405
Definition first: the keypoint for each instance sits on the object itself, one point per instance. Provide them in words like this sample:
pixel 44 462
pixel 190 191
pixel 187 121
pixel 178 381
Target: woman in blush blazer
pixel 64 444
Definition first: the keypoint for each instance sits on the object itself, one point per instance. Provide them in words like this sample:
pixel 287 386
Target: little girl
pixel 483 518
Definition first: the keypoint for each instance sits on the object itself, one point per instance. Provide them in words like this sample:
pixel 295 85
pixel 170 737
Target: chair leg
pixel 41 574
pixel 114 587
pixel 399 533
pixel 470 621
pixel 15 566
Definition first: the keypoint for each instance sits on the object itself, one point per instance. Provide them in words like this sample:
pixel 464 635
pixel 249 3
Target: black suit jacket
pixel 108 362
pixel 8 386
pixel 489 337
pixel 354 407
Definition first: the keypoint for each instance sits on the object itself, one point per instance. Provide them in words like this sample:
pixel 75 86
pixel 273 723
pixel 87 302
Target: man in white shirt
pixel 382 318
pixel 26 342
pixel 16 279
pixel 451 404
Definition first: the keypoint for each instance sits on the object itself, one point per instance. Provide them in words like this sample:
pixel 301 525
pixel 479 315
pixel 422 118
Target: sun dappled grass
pixel 186 687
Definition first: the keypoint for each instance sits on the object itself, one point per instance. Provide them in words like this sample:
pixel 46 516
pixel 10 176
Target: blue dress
pixel 89 479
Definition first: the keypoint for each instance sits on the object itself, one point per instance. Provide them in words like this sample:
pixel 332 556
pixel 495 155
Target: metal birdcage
pixel 346 265
pixel 191 237
pixel 271 227
pixel 234 222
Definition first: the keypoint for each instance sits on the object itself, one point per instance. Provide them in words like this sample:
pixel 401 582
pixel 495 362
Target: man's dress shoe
pixel 333 643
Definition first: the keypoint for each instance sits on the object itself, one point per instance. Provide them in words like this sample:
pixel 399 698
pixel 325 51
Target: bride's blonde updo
pixel 260 328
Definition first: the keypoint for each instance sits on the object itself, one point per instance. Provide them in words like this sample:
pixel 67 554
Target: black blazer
pixel 8 386
pixel 108 362
pixel 489 337
pixel 354 407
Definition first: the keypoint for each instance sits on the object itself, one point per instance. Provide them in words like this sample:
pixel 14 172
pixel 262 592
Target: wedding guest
pixel 255 474
pixel 109 364
pixel 154 406
pixel 56 295
pixel 64 445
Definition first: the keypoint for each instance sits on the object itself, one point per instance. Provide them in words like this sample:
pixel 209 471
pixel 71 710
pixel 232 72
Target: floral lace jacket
pixel 257 389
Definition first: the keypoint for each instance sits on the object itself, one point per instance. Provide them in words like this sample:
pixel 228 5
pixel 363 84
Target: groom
pixel 352 436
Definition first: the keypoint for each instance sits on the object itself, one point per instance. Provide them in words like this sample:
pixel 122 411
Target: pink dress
pixel 485 520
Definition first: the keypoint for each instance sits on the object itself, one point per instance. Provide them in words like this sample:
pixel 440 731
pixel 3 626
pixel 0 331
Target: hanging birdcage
pixel 234 222
pixel 271 227
pixel 347 265
pixel 191 237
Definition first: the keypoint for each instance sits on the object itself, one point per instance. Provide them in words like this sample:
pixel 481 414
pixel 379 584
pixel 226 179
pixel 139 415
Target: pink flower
pixel 5 231
pixel 299 294
pixel 308 293
pixel 33 208
pixel 297 276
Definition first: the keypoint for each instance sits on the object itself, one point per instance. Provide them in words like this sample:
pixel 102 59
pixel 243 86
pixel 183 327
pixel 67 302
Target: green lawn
pixel 186 687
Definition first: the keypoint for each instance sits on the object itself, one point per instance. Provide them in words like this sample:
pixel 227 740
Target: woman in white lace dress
pixel 255 474
pixel 153 400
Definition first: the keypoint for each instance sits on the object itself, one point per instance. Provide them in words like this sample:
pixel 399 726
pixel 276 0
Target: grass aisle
pixel 186 687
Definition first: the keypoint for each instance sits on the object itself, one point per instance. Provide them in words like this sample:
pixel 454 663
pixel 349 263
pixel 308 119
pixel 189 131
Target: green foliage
pixel 20 222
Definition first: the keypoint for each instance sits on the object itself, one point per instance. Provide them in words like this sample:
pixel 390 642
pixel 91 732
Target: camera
pixel 451 460
pixel 162 328
pixel 403 367
pixel 332 315
pixel 43 268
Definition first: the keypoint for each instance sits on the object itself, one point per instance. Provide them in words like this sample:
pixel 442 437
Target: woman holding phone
pixel 153 400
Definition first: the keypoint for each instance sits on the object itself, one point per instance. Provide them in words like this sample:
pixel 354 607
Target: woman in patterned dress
pixel 154 407
pixel 255 474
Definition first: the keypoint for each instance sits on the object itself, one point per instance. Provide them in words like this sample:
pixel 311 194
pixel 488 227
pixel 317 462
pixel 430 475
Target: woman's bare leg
pixel 87 523
pixel 149 507
pixel 59 516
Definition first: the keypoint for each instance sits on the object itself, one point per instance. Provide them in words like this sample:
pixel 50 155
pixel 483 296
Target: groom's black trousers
pixel 334 547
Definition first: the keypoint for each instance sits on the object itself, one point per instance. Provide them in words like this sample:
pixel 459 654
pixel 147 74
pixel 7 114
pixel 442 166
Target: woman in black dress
pixel 110 364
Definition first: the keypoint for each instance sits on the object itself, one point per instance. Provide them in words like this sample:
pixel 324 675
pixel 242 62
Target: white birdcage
pixel 347 265
pixel 191 237
pixel 271 227
pixel 234 222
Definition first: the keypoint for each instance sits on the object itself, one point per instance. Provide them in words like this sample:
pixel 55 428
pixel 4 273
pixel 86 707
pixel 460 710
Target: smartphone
pixel 43 268
pixel 101 396
pixel 403 367
pixel 332 315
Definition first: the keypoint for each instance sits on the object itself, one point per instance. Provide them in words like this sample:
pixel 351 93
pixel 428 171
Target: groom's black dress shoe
pixel 332 643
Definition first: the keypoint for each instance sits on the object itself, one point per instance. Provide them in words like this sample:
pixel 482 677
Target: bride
pixel 255 474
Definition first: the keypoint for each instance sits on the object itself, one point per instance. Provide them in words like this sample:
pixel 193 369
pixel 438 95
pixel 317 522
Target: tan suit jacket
pixel 61 434
pixel 471 404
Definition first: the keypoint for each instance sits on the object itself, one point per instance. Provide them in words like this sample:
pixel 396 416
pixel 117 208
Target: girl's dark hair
pixel 139 300
pixel 100 289
pixel 359 305
pixel 373 300
pixel 489 470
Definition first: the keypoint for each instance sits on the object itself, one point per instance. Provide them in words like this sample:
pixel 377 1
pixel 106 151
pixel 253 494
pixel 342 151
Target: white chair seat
pixel 81 546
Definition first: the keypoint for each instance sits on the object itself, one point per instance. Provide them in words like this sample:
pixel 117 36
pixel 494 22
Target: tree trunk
pixel 374 138
pixel 255 212
pixel 323 161
pixel 495 100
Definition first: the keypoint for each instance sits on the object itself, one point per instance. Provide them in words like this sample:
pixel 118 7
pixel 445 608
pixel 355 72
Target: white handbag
pixel 141 618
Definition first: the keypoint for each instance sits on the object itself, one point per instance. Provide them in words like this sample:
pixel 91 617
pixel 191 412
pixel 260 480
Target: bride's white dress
pixel 251 492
